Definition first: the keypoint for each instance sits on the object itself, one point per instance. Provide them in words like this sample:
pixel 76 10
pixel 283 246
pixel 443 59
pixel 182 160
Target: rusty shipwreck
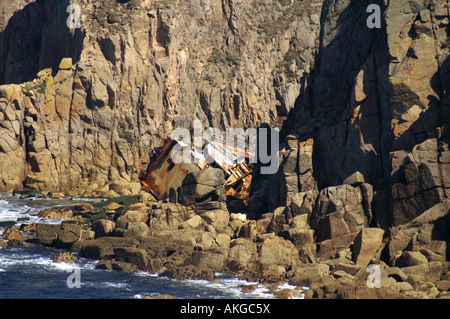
pixel 163 173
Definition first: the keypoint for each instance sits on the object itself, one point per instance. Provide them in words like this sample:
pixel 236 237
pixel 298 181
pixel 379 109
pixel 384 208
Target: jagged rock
pixel 216 218
pixel 135 256
pixel 208 259
pixel 278 251
pixel 429 230
pixel 64 257
pixel 279 219
pixel 423 178
pixel 56 213
pixel 131 217
pixel 410 258
pixel 341 204
pixel 306 274
pixel 355 179
pixel 366 245
pixel 103 227
pixel 303 203
pixel 206 185
pixel 366 144
pixel 243 254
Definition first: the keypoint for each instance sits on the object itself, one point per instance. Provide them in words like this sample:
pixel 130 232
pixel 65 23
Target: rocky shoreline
pixel 194 241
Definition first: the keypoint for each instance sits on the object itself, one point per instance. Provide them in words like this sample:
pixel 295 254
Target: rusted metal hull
pixel 163 174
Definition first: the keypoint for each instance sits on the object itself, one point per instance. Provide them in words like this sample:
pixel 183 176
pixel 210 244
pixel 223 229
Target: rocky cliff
pixel 138 70
pixel 375 112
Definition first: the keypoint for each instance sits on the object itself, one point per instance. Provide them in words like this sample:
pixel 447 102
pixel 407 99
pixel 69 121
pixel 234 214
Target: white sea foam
pixel 65 266
pixel 22 214
pixel 106 284
pixel 145 274
pixel 233 286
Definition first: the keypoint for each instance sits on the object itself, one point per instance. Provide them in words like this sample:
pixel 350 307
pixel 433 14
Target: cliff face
pixel 374 115
pixel 138 70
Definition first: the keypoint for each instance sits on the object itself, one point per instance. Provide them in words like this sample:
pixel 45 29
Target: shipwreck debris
pixel 164 173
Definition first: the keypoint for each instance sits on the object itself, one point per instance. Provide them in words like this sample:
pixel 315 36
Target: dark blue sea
pixel 29 272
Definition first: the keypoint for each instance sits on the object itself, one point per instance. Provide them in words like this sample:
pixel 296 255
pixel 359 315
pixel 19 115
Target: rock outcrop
pixel 364 152
pixel 367 142
pixel 173 240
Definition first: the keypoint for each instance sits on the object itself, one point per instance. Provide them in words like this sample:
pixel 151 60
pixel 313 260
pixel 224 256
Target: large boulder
pixel 56 213
pixel 243 254
pixel 306 274
pixel 278 251
pixel 279 219
pixel 68 234
pixel 340 210
pixel 424 272
pixel 131 216
pixel 104 247
pixel 418 183
pixel 410 258
pixel 205 185
pixel 208 259
pixel 366 244
pixel 189 272
pixel 167 216
pixel 103 227
pixel 168 250
pixel 135 256
pixel 303 203
pixel 218 219
pixel 339 215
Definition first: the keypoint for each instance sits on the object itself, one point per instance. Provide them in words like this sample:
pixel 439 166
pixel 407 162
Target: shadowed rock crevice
pixel 44 40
